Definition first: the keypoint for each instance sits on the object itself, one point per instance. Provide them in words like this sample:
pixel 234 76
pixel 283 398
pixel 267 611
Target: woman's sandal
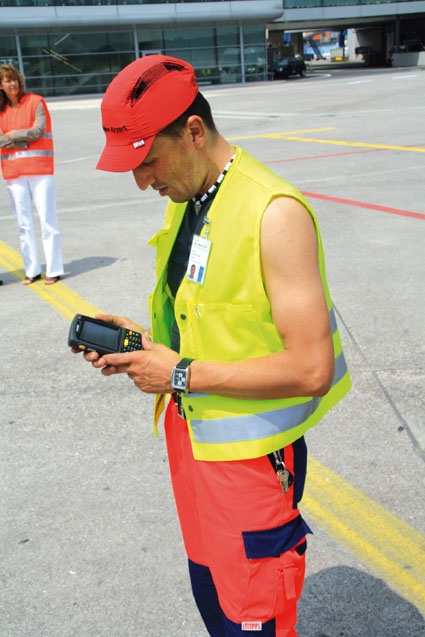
pixel 30 279
pixel 49 280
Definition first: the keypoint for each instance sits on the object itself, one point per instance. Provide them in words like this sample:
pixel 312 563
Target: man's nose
pixel 143 177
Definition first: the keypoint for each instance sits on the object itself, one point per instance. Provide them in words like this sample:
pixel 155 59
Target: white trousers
pixel 41 190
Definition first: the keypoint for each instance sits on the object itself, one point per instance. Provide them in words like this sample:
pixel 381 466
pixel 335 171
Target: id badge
pixel 198 259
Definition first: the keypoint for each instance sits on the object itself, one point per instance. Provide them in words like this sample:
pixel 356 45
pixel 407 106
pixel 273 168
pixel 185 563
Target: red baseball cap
pixel 144 98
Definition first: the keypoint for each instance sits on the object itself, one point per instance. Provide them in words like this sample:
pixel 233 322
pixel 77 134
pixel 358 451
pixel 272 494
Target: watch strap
pixel 184 363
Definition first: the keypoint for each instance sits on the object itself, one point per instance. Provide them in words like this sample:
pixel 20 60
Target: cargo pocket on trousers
pixel 276 568
pixel 274 542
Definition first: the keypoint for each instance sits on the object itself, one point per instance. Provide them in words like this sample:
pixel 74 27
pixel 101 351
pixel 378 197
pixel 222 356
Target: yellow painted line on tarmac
pixel 386 545
pixel 59 296
pixel 293 132
pixel 390 548
pixel 335 142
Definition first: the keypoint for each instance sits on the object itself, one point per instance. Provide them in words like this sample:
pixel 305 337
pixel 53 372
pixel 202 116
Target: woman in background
pixel 27 163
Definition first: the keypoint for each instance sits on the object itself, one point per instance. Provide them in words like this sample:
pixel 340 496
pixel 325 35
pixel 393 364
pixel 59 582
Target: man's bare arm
pixel 305 366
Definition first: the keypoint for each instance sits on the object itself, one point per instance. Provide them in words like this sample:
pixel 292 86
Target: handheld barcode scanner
pixel 90 334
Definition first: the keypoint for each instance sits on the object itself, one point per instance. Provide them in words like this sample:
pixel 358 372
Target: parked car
pixel 289 66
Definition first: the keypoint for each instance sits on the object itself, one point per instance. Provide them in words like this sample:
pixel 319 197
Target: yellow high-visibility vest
pixel 228 318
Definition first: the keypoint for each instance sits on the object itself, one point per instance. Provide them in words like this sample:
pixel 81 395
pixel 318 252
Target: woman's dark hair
pixel 9 71
pixel 198 107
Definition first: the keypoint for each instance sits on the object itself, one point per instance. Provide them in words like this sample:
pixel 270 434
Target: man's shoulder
pixel 255 170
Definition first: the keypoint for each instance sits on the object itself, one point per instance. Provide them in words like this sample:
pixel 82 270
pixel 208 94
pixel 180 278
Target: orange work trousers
pixel 236 520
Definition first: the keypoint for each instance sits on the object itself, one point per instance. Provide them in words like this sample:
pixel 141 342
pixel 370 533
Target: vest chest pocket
pixel 224 331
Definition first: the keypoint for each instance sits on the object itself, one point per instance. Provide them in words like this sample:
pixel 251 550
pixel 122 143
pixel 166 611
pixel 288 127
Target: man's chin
pixel 177 198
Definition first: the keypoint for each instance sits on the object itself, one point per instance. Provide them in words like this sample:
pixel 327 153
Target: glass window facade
pixel 8 50
pixel 68 63
pixel 62 64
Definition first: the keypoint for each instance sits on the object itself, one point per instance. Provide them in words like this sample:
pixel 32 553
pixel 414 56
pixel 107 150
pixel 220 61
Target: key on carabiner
pixel 285 478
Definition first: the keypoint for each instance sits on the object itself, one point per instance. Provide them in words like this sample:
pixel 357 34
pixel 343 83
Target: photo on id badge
pixel 198 259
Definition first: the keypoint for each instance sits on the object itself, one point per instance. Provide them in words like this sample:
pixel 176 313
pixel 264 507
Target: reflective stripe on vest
pixel 20 154
pixel 262 425
pixel 256 426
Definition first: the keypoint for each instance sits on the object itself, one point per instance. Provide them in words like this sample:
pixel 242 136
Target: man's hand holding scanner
pixel 149 368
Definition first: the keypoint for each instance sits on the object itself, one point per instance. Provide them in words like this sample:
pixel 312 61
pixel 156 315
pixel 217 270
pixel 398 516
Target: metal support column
pixel 242 50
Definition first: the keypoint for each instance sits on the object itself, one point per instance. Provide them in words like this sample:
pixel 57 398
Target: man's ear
pixel 196 128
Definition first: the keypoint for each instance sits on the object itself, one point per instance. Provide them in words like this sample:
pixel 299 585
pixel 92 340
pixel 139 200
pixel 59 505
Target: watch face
pixel 180 379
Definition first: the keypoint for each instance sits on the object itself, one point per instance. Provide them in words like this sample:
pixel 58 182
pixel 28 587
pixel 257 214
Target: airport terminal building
pixel 75 47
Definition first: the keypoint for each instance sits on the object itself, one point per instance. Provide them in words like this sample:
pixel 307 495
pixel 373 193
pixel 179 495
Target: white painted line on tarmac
pixel 76 159
pixel 71 105
pixel 404 77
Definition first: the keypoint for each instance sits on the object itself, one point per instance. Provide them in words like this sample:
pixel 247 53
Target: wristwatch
pixel 180 375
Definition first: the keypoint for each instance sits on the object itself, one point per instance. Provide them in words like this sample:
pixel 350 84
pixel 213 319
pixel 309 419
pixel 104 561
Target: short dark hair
pixel 199 107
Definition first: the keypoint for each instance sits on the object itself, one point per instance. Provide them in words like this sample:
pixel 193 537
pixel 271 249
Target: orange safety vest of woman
pixel 38 158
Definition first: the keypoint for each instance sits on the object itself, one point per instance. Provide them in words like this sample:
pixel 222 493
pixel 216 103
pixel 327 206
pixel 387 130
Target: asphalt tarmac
pixel 90 539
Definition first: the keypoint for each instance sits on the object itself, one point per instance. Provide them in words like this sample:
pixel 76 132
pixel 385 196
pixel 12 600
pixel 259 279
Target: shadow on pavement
pixel 86 264
pixel 71 269
pixel 346 602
